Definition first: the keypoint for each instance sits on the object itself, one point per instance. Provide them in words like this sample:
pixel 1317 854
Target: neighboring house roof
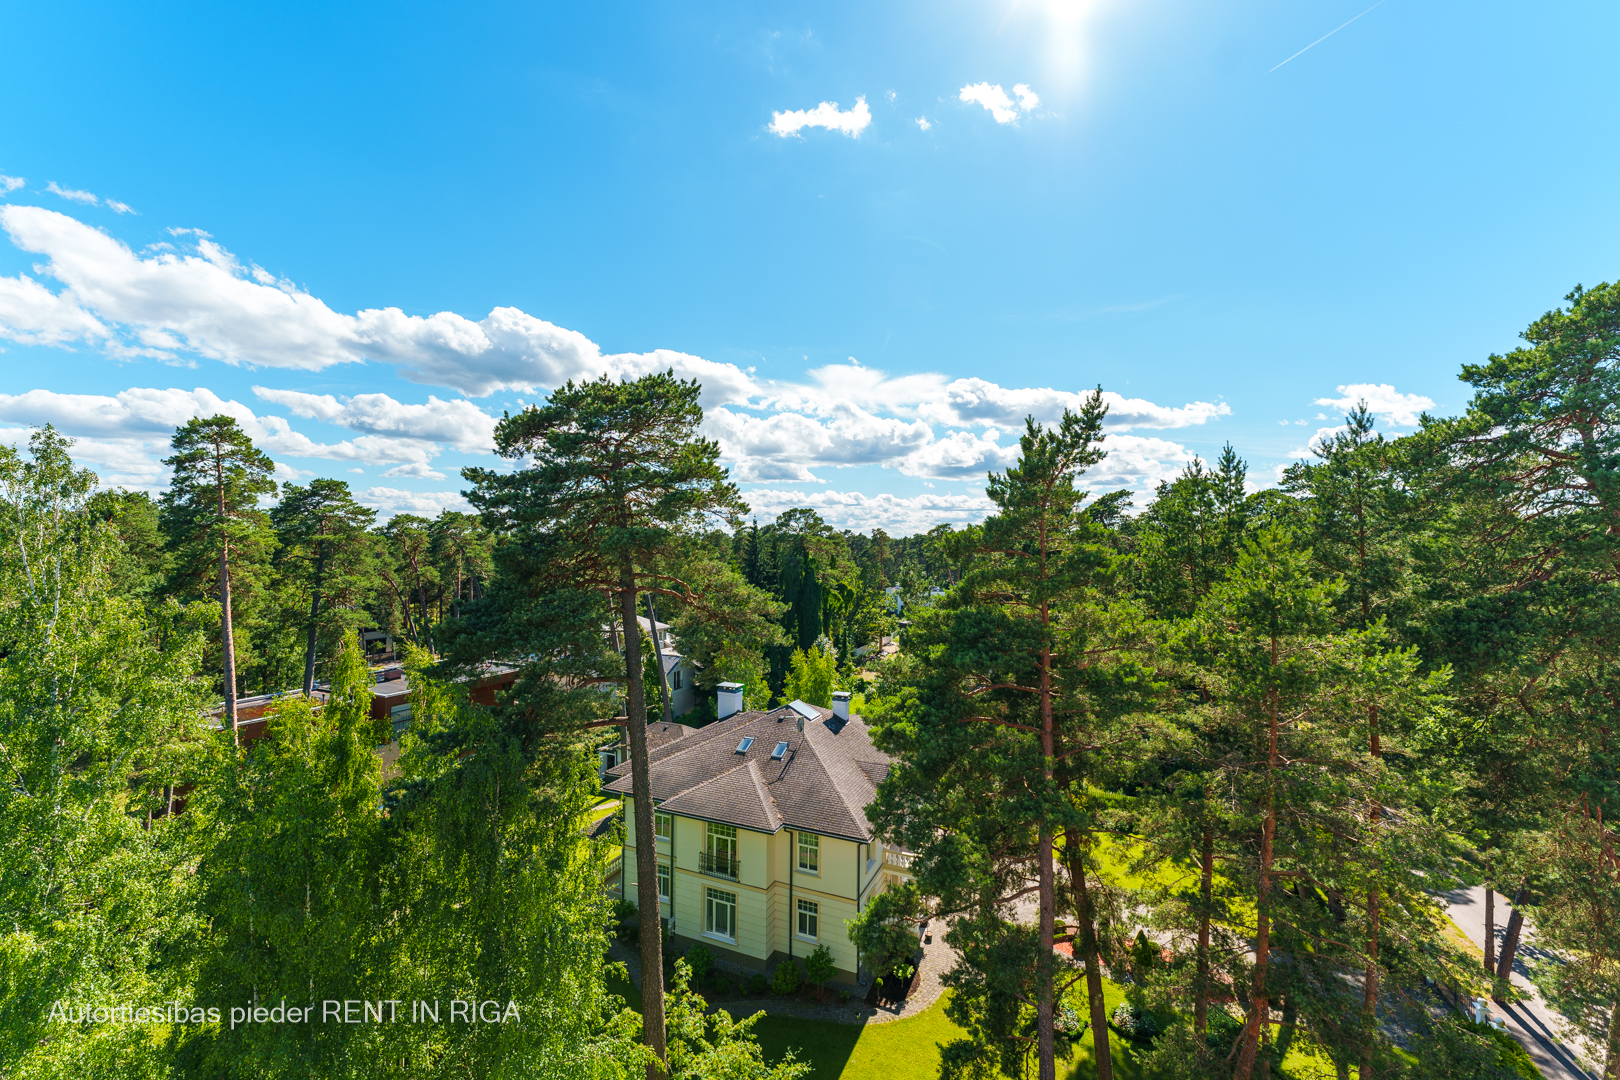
pixel 823 783
pixel 658 735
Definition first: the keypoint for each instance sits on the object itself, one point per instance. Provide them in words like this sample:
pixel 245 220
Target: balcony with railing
pixel 898 859
pixel 721 864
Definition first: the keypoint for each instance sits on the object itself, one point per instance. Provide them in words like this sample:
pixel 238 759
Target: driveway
pixel 1530 1021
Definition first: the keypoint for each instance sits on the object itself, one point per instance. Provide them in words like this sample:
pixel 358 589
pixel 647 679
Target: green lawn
pixel 909 1049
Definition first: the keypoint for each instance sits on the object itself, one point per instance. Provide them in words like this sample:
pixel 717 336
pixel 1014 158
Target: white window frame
pixel 807 909
pixel 675 678
pixel 665 882
pixel 712 898
pixel 661 818
pixel 814 847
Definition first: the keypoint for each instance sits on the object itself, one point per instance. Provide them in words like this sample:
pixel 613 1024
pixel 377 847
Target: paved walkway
pixel 1530 1020
pixel 938 958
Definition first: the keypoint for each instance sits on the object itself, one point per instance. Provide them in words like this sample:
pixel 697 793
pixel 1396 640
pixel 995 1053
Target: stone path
pixel 1530 1020
pixel 938 958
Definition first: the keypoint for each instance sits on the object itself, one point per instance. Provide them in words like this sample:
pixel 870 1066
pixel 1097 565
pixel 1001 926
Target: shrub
pixel 843 997
pixel 1135 1022
pixel 787 978
pixel 701 961
pixel 758 983
pixel 819 967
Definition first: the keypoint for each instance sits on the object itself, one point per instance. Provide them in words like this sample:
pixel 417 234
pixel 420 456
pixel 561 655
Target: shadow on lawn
pixel 825 1045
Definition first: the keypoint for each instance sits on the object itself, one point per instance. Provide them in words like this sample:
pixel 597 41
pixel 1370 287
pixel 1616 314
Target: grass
pixel 909 1049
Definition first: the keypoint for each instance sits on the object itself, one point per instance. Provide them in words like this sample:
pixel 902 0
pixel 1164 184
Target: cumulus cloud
pixel 854 510
pixel 415 470
pixel 388 501
pixel 995 99
pixel 199 300
pixel 826 115
pixel 207 303
pixel 129 432
pixel 922 122
pixel 1386 403
pixel 8 184
pixel 458 423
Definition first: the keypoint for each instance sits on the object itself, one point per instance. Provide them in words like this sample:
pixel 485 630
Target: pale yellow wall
pixel 766 914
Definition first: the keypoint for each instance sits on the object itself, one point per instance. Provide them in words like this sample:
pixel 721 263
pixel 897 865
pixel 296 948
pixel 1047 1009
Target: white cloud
pixel 73 195
pixel 995 99
pixel 459 423
pixel 206 303
pixel 120 207
pixel 203 301
pixel 825 115
pixel 388 501
pixel 8 184
pixel 922 122
pixel 415 470
pixel 854 510
pixel 1386 403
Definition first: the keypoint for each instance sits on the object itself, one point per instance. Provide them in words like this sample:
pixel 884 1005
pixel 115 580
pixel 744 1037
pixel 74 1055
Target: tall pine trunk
pixel 1260 1004
pixel 1490 930
pixel 314 613
pixel 1510 941
pixel 1369 998
pixel 1045 1005
pixel 635 726
pixel 1206 896
pixel 228 639
pixel 1086 948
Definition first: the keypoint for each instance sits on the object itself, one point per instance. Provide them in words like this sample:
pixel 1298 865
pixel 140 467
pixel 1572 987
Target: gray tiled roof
pixel 822 784
pixel 658 734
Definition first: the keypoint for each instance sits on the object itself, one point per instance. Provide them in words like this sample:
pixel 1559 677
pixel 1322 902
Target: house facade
pixel 764 851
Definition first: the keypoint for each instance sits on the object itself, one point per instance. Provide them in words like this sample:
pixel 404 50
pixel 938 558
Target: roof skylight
pixel 780 752
pixel 809 712
pixel 742 747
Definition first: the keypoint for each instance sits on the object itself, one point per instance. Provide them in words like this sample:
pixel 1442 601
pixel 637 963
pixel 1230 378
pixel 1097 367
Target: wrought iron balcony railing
pixel 718 864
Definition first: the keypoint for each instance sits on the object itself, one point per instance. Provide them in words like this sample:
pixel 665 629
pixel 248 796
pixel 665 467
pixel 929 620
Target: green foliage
pixel 99 705
pixel 819 967
pixel 701 961
pixel 787 978
pixel 885 931
pixel 812 677
pixel 714 1046
pixel 326 563
pixel 1134 1022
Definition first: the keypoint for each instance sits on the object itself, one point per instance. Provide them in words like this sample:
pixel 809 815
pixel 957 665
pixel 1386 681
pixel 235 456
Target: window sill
pixel 719 937
pixel 809 873
pixel 806 940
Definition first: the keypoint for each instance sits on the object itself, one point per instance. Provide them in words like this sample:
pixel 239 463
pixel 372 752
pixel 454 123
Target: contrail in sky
pixel 1325 36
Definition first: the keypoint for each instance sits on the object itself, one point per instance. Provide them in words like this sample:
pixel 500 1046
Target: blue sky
pixel 407 218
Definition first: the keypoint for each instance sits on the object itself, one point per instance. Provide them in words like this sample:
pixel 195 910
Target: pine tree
pixel 322 532
pixel 211 511
pixel 997 744
pixel 616 479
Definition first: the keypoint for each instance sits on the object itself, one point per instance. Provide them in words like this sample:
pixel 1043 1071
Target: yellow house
pixel 764 848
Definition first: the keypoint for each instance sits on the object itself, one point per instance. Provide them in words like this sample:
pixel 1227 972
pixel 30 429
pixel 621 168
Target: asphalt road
pixel 1531 1021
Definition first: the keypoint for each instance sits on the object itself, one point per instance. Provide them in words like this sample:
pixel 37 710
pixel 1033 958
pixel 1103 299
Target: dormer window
pixel 780 752
pixel 742 747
